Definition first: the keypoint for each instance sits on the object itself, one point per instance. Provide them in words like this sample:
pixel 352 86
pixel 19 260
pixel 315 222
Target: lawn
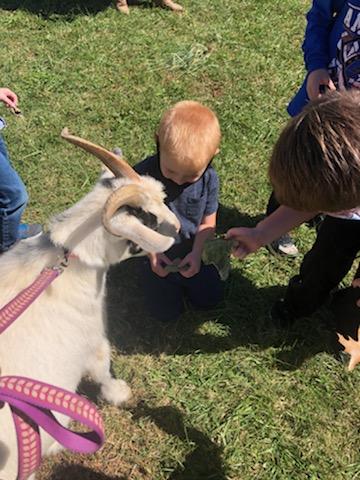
pixel 218 396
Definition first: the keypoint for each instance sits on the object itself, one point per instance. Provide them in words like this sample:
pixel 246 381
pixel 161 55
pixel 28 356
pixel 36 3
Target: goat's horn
pixel 126 195
pixel 116 164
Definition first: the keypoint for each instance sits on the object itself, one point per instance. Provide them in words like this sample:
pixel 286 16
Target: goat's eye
pixel 147 218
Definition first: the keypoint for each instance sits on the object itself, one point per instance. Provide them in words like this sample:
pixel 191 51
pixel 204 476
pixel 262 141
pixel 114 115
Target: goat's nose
pixel 168 229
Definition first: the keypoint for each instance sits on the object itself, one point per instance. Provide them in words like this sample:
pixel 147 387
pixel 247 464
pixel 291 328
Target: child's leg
pixel 324 266
pixel 272 205
pixel 13 199
pixel 205 289
pixel 164 297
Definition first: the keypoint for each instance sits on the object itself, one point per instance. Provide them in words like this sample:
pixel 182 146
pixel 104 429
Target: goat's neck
pixel 93 246
pixel 79 229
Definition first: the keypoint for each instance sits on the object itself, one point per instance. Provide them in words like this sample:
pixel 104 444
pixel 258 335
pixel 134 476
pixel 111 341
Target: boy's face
pixel 179 175
pixel 189 172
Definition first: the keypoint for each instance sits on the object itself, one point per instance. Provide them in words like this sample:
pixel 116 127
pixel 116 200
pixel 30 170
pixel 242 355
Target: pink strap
pixel 29 445
pixel 12 310
pixel 31 403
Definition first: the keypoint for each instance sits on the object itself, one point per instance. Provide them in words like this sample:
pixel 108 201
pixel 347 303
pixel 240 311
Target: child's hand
pixel 247 239
pixel 190 265
pixel 8 97
pixel 158 262
pixel 315 80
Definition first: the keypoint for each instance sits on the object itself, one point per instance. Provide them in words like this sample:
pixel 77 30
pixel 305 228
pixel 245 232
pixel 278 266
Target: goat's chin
pixel 94 255
pixel 126 253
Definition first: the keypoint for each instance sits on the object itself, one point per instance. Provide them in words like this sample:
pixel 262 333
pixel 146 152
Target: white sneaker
pixel 283 246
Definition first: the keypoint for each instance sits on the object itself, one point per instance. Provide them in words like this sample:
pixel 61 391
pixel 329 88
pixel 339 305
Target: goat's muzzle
pixel 141 227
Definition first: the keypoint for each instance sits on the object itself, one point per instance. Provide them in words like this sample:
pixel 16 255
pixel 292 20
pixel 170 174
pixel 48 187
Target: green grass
pixel 222 395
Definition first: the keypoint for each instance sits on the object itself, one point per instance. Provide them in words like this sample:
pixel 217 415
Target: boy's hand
pixel 248 241
pixel 315 80
pixel 158 262
pixel 8 97
pixel 190 265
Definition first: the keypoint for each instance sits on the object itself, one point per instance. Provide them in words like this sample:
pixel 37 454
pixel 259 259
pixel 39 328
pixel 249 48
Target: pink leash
pixel 12 310
pixel 31 401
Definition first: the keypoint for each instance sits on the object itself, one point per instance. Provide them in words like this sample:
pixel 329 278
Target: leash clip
pixel 63 261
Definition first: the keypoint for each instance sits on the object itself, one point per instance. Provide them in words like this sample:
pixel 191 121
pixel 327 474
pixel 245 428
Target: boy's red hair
pixel 189 135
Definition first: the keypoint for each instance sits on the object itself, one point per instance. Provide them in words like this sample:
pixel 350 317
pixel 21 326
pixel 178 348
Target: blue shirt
pixel 190 202
pixel 331 42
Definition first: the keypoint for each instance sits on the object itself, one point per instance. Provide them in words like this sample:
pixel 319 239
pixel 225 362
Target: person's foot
pixel 283 246
pixel 169 4
pixel 280 315
pixel 29 230
pixel 122 6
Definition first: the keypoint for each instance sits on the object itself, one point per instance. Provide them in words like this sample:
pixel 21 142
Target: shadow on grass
pixel 68 9
pixel 48 8
pixel 243 316
pixel 204 461
pixel 231 217
pixel 78 472
pixel 346 312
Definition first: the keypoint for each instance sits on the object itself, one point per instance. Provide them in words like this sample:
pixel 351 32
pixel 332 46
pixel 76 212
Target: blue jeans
pixel 165 296
pixel 13 200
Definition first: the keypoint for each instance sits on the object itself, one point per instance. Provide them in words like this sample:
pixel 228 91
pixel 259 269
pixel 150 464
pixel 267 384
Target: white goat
pixel 62 336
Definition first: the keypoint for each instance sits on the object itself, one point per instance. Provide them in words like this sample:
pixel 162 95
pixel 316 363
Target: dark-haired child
pixel 315 167
pixel 331 49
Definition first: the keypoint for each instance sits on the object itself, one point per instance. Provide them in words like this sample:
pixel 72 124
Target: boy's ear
pixel 217 151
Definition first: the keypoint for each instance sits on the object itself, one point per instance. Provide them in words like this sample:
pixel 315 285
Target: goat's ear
pixel 149 240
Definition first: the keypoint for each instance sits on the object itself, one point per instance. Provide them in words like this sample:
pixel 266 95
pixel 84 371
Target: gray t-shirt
pixel 190 202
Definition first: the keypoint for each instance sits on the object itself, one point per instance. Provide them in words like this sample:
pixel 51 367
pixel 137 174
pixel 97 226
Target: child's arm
pixel 320 19
pixel 272 227
pixel 192 261
pixel 8 97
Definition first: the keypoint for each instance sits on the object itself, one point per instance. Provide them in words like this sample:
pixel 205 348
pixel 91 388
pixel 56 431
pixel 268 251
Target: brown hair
pixel 315 164
pixel 189 135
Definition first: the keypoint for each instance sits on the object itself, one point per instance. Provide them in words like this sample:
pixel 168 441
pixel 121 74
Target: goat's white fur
pixel 62 336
